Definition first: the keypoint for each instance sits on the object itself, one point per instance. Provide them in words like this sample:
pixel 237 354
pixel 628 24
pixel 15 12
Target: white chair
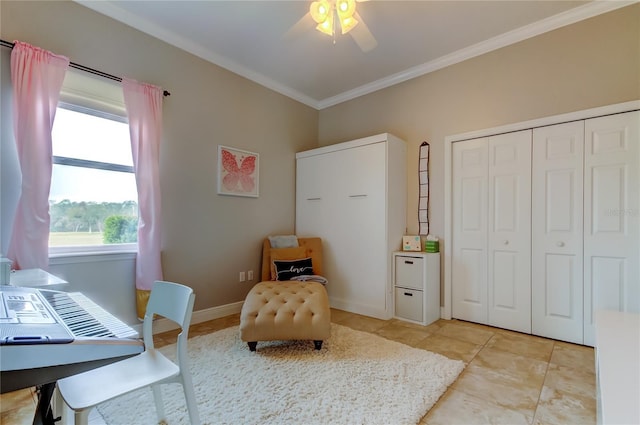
pixel 84 391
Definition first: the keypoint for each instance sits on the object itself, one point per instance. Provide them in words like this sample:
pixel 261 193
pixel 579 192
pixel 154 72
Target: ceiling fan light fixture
pixel 324 14
pixel 326 27
pixel 347 24
pixel 345 8
pixel 320 11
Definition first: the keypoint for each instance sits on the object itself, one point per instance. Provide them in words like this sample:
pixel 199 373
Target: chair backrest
pixel 313 247
pixel 172 301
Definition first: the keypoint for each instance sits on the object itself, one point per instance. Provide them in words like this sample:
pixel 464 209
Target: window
pixel 93 198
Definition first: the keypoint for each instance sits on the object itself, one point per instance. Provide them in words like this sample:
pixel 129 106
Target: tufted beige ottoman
pixel 284 311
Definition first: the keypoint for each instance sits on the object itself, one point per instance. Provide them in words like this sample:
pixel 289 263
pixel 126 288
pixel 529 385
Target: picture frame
pixel 238 172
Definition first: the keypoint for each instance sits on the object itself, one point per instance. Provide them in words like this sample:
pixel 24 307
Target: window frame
pixel 87 95
pixel 74 162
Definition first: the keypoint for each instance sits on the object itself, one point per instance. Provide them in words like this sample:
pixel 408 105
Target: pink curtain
pixel 144 109
pixel 36 76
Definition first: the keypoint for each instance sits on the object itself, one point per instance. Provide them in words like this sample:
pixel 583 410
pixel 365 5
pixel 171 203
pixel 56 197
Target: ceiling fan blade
pixel 300 27
pixel 362 36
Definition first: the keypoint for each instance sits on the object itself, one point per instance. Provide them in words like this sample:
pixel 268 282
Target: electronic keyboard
pixel 46 335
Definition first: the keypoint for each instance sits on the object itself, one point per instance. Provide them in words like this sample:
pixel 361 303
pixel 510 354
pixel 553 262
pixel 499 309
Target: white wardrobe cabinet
pixel 353 196
pixel 545 226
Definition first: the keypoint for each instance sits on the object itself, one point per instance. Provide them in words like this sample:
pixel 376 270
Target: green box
pixel 432 246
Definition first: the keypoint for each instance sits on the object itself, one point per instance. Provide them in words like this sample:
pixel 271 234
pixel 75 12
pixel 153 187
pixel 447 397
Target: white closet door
pixel 557 285
pixel 361 252
pixel 316 214
pixel 509 231
pixel 313 195
pixel 469 245
pixel 612 215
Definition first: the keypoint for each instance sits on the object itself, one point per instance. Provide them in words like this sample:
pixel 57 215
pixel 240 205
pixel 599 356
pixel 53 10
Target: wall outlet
pixel 242 279
pixel 250 275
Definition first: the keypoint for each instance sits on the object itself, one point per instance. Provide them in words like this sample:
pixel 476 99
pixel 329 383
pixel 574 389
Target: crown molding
pixel 589 10
pixel 551 23
pixel 109 9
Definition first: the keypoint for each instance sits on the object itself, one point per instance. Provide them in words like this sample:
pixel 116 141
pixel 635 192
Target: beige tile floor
pixel 510 378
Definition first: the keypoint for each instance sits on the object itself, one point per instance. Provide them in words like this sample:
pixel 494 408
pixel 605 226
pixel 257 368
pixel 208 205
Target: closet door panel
pixel 557 195
pixel 361 253
pixel 310 196
pixel 608 199
pixel 504 294
pixel 612 205
pixel 315 213
pixel 472 290
pixel 509 231
pixel 307 185
pixel 560 300
pixel 469 247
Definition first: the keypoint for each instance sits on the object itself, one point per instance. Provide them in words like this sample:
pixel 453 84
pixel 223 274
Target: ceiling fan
pixel 332 16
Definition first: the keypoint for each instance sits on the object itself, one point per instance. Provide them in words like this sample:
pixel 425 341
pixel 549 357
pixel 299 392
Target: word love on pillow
pixel 286 269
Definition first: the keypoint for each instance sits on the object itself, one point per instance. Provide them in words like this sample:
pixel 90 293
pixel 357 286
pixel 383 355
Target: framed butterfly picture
pixel 238 172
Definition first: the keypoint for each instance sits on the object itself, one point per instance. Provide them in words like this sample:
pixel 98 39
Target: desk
pixel 618 367
pixel 36 278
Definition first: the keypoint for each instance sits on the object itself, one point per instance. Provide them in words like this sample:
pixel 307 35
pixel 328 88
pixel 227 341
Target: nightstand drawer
pixel 409 304
pixel 409 272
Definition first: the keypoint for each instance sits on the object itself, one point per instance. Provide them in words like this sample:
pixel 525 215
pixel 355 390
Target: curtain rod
pixel 83 68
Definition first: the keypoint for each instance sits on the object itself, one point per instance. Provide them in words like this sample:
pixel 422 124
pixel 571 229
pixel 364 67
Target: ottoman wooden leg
pixel 317 344
pixel 252 345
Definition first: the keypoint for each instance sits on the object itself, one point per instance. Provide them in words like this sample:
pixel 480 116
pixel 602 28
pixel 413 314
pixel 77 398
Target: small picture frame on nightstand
pixel 411 243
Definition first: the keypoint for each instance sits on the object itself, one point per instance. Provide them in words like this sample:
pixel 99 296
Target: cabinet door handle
pixel 560 244
pixel 313 199
pixel 408 262
pixel 409 294
pixel 358 196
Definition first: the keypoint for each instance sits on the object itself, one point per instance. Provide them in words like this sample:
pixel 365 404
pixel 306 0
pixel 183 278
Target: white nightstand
pixel 416 282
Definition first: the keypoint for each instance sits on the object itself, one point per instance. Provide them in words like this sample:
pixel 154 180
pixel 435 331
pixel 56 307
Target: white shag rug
pixel 356 378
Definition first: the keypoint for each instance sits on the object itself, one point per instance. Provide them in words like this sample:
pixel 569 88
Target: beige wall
pixel 592 63
pixel 208 238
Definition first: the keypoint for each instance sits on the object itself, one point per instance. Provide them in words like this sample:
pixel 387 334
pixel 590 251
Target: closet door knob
pixel 560 244
pixel 506 242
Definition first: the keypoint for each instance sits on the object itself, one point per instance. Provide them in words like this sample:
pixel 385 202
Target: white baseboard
pixel 165 325
pixel 359 308
pixel 443 314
